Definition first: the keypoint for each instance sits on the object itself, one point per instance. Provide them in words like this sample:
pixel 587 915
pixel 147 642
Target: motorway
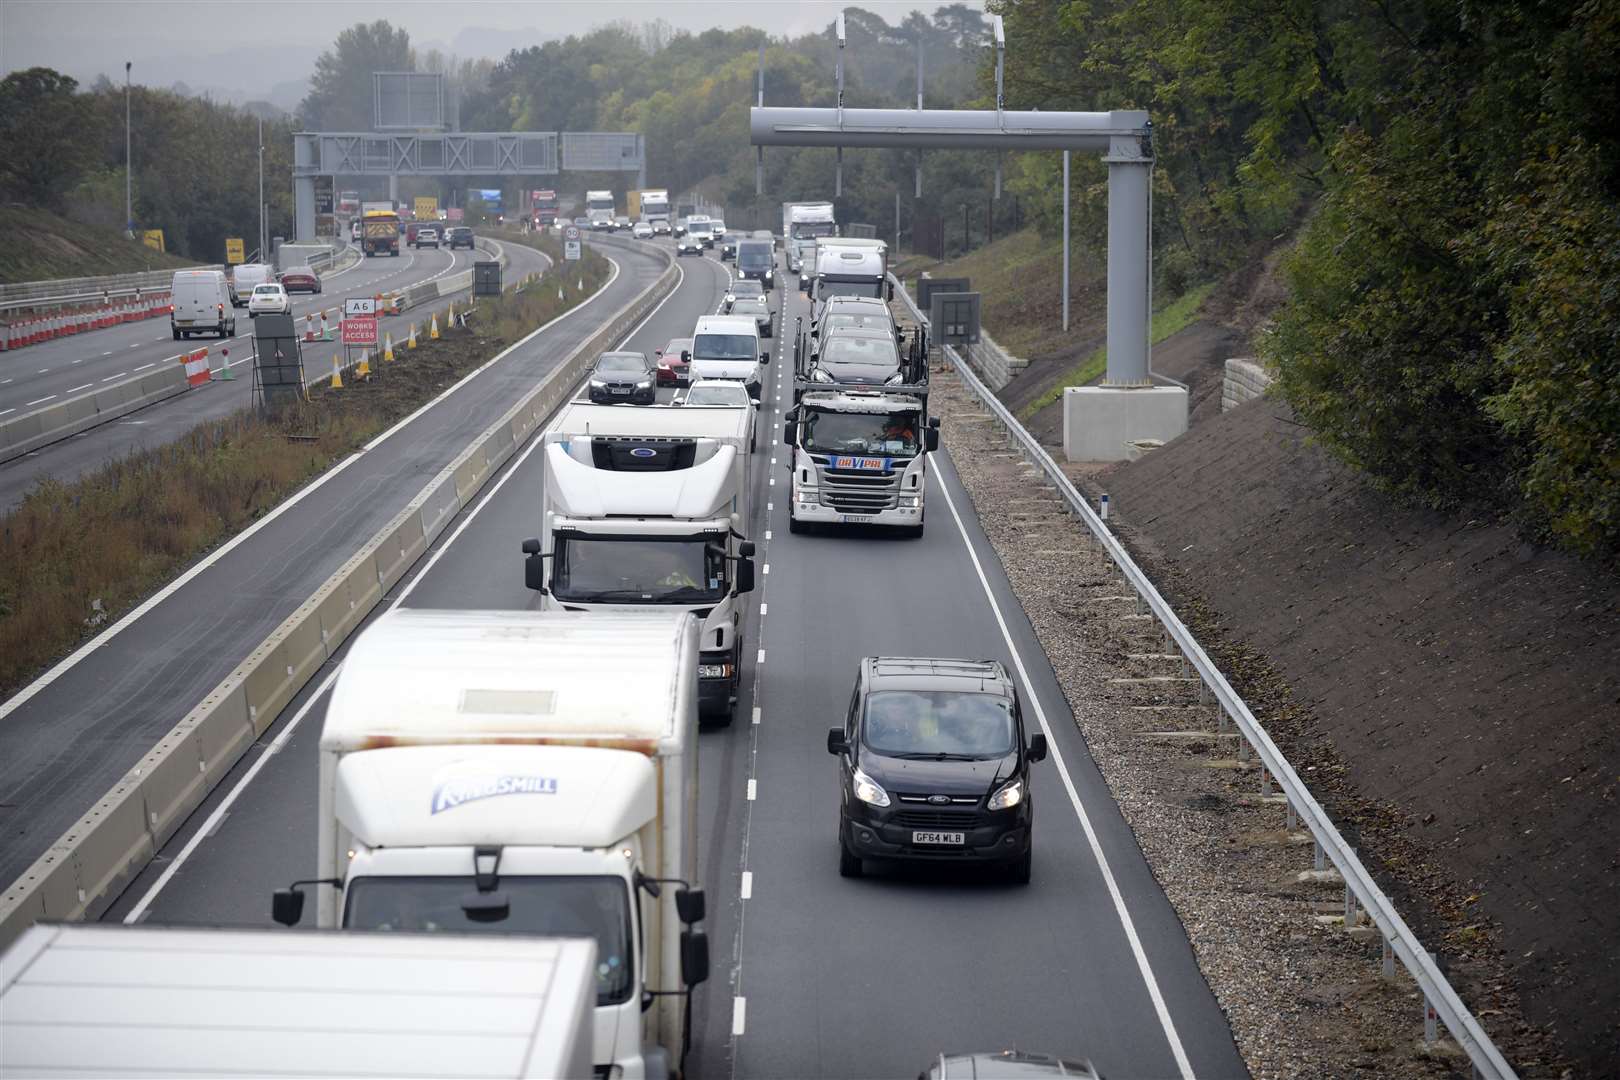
pixel 68 737
pixel 814 974
pixel 57 370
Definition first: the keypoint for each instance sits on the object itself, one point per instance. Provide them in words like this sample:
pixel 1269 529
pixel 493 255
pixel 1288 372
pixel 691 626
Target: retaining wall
pixel 1245 380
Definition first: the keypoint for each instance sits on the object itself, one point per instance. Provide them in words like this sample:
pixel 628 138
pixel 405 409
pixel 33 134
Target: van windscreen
pixel 723 347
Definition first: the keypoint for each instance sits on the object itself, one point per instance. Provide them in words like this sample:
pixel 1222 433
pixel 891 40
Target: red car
pixel 300 279
pixel 672 370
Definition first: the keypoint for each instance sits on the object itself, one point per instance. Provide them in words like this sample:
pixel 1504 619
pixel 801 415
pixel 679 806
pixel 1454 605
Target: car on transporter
pixel 933 766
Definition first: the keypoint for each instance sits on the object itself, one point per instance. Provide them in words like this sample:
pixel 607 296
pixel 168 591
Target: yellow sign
pixel 427 208
pixel 233 250
pixel 153 238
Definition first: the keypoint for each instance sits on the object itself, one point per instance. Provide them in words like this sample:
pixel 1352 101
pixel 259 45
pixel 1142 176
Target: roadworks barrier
pixel 90 865
pixel 27 432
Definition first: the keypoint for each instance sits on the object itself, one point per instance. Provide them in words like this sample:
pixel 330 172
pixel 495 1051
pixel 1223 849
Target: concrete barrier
pixel 1244 380
pixel 28 432
pixel 89 866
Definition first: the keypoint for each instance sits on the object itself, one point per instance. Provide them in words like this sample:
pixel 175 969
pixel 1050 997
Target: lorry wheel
pixel 175 332
pixel 1018 870
pixel 795 525
pixel 912 532
pixel 849 864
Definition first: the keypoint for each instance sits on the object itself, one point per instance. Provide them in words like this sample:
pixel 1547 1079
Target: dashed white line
pixel 39 401
pixel 120 375
pixel 753 789
pixel 137 344
pixel 107 353
pixel 143 367
pixel 762 609
pixel 739 1015
pixel 42 371
pixel 767 534
pixel 4 411
pixel 76 389
pixel 767 568
pixel 748 882
pixel 760 659
pixel 756 714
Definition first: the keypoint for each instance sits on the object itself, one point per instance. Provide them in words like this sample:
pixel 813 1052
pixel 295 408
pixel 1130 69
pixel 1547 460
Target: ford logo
pixel 643 452
pixel 939 800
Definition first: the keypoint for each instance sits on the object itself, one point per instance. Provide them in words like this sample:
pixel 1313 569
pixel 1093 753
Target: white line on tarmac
pixel 40 401
pixel 739 1015
pixel 747 884
pixel 143 367
pixel 76 389
pixel 753 788
pixel 120 375
pixel 1129 925
pixel 4 411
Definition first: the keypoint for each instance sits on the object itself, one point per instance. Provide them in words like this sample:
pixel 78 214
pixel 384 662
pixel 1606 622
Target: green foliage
pixel 340 90
pixel 41 245
pixel 42 129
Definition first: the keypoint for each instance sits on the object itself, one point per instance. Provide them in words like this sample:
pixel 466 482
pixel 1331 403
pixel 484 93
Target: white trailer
pixel 119 1001
pixel 522 772
pixel 647 508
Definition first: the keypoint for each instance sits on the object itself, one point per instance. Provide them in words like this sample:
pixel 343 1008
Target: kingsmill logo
pixel 453 793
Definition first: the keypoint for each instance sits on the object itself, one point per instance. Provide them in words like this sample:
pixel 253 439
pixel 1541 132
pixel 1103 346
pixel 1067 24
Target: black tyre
pixel 795 525
pixel 849 864
pixel 1019 869
pixel 175 331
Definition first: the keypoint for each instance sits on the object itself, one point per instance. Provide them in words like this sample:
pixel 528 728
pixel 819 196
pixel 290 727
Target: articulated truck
pixel 802 223
pixel 859 457
pixel 518 772
pixel 115 1001
pixel 600 209
pixel 647 508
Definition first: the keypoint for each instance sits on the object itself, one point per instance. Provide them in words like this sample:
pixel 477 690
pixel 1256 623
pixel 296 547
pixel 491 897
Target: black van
pixel 757 262
pixel 933 765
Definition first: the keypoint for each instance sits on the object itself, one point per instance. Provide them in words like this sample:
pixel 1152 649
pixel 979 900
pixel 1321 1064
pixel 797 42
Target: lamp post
pixel 129 214
pixel 261 191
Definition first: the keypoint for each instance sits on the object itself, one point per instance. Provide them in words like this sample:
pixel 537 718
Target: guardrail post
pixel 1265 782
pixel 1319 861
pixel 1431 1019
pixel 1351 916
pixel 1388 962
pixel 1292 818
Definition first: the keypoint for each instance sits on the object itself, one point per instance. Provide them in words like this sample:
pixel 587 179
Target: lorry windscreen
pixel 724 347
pixel 804 230
pixel 639 569
pixel 890 434
pixel 595 907
pixel 830 286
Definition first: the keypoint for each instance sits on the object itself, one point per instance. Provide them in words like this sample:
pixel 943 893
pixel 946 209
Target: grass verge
pixel 41 246
pixel 1170 319
pixel 75 556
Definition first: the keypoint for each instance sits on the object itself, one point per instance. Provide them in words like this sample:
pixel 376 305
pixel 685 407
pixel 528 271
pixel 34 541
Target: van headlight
pixel 869 791
pixel 894 380
pixel 1008 795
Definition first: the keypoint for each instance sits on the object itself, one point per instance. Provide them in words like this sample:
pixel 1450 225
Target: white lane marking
pixel 767 534
pixel 24 695
pixel 767 568
pixel 756 714
pixel 40 401
pixel 138 912
pixel 760 659
pixel 143 367
pixel 773 481
pixel 5 382
pixel 76 389
pixel 4 411
pixel 762 609
pixel 42 371
pixel 120 375
pixel 753 789
pixel 1142 964
pixel 80 360
pixel 739 1015
pixel 137 344
pixel 748 883
pixel 769 507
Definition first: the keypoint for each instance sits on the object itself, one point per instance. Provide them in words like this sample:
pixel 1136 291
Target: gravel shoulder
pixel 1303 992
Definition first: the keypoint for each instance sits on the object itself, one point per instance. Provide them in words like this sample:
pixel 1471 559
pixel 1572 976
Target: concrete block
pixel 1098 421
pixel 337 613
pixel 306 648
pixel 172 780
pixel 438 506
pixel 223 730
pixel 467 479
pixel 400 548
pixel 48 889
pixel 365 587
pixel 110 845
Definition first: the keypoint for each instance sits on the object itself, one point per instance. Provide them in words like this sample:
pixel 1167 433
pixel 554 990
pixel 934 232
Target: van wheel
pixel 849 864
pixel 1018 870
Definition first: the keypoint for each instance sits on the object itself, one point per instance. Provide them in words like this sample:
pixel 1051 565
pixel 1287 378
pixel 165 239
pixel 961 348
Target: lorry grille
pixel 857 491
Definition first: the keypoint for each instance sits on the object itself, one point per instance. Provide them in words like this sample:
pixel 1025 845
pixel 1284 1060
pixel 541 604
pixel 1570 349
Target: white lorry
pixel 655 206
pixel 648 508
pixel 600 209
pixel 118 1001
pixel 802 223
pixel 517 772
pixel 859 457
pixel 845 266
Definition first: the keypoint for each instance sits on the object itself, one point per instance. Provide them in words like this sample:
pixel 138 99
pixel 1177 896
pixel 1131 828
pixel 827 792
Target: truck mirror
pixel 891 290
pixel 931 439
pixel 287 906
pixel 534 573
pixel 1037 749
pixel 694 957
pixel 764 357
pixel 745 576
pixel 933 421
pixel 836 743
pixel 690 905
pixel 790 433
pixel 531 546
pixel 746 549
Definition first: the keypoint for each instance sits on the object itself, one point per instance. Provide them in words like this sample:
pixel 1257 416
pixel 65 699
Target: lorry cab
pixel 858 456
pixel 848 267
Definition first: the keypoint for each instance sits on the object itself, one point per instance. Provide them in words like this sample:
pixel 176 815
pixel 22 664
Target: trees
pixel 340 91
pixel 42 129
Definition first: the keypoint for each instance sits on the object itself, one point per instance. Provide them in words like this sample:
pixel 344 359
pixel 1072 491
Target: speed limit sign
pixel 571 243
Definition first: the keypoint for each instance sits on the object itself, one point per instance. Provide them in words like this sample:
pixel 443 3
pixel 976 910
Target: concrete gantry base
pixel 1100 423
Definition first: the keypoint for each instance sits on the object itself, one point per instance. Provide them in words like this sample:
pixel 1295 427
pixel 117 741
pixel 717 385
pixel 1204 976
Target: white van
pixel 200 300
pixel 245 277
pixel 727 347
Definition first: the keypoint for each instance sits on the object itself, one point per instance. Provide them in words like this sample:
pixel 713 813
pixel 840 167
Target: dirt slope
pixel 1468 683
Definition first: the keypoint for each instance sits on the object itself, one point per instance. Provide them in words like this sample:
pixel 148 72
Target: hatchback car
pixel 300 279
pixel 268 299
pixel 1006 1064
pixel 458 236
pixel 851 354
pixel 675 362
pixel 660 226
pixel 642 231
pixel 427 236
pixel 933 766
pixel 740 288
pixel 621 377
pixel 689 244
pixel 758 308
pixel 622 222
pixel 728 248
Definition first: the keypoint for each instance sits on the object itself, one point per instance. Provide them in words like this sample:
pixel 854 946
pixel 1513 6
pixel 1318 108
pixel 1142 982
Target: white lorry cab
pixel 530 773
pixel 117 1001
pixel 847 266
pixel 728 347
pixel 859 457
pixel 648 509
pixel 600 209
pixel 200 301
pixel 802 224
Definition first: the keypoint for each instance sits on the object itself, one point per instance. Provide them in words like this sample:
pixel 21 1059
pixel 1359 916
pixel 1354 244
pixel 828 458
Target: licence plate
pixel 938 838
pixel 712 671
pixel 857 519
pixel 182 322
pixel 868 463
pixel 621 390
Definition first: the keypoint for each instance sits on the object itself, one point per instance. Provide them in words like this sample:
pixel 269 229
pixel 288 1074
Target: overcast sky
pixel 244 49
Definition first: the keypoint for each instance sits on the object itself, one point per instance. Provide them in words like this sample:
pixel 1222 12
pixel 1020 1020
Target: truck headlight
pixel 819 375
pixel 1008 795
pixel 869 791
pixel 894 380
pixel 908 502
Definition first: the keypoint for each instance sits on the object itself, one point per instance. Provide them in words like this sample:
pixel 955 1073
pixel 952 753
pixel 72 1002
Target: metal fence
pixel 1361 893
